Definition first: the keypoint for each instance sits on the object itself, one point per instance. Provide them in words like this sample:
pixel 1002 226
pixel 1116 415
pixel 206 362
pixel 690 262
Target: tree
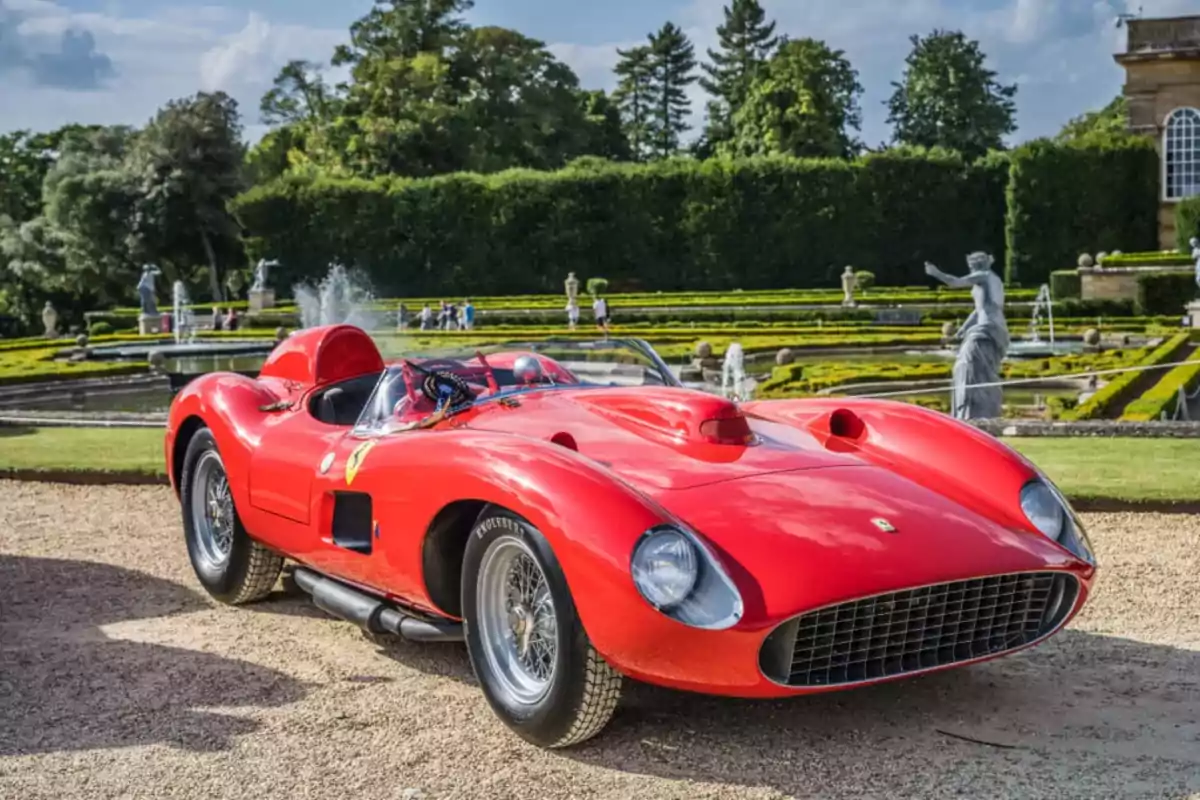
pixel 1112 120
pixel 403 29
pixel 949 98
pixel 672 70
pixel 187 165
pixel 299 95
pixel 605 137
pixel 632 97
pixel 804 104
pixel 747 41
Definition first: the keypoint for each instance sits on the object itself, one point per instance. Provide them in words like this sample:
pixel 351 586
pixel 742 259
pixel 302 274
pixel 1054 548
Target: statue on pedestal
pixel 261 296
pixel 50 320
pixel 1195 243
pixel 571 284
pixel 145 287
pixel 261 271
pixel 849 284
pixel 984 339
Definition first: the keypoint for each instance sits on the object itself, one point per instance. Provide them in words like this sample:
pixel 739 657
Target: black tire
pixel 583 689
pixel 249 571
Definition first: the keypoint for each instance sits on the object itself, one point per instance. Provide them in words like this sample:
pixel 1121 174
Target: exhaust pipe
pixel 370 613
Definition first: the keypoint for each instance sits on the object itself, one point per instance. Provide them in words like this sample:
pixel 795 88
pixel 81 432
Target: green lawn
pixel 1085 468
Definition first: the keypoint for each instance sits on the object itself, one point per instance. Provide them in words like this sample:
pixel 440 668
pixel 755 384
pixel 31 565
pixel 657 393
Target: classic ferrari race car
pixel 579 518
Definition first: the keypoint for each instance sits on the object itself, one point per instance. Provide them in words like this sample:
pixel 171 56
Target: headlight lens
pixel 1043 509
pixel 665 567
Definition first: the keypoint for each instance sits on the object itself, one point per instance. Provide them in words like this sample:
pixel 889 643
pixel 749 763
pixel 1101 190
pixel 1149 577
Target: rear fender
pixel 943 454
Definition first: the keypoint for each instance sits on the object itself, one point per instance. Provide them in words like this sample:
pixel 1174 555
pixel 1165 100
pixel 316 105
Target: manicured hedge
pixel 1155 259
pixel 1187 223
pixel 1067 199
pixel 1117 391
pixel 1162 397
pixel 1165 293
pixel 755 224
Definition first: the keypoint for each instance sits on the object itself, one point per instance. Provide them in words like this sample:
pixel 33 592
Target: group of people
pixel 599 310
pixel 224 322
pixel 449 317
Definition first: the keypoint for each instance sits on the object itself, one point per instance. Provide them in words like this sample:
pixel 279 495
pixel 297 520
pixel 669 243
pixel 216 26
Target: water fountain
pixel 733 372
pixel 185 321
pixel 340 298
pixel 1043 301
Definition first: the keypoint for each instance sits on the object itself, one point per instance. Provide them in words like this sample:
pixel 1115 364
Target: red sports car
pixel 578 517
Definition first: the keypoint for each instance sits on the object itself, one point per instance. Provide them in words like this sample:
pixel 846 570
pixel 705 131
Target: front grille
pixel 917 629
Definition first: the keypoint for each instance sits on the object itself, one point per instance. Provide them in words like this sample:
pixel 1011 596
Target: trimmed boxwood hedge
pixel 1116 392
pixel 1162 397
pixel 1165 293
pixel 1065 284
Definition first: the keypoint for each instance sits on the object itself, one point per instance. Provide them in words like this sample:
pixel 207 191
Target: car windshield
pixel 403 394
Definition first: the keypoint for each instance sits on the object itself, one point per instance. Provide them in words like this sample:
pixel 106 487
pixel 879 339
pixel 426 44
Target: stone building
pixel 1162 87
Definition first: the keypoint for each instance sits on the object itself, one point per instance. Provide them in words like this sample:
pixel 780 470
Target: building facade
pixel 1162 88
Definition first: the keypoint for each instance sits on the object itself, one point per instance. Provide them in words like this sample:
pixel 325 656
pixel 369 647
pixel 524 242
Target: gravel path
pixel 119 679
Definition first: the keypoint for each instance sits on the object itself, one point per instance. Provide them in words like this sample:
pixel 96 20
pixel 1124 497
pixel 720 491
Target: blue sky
pixel 117 61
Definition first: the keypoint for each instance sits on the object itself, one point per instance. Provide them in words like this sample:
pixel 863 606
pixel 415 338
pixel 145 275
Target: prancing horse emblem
pixel 884 525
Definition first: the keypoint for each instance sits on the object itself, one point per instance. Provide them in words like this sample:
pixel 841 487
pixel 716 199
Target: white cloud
pixel 157 57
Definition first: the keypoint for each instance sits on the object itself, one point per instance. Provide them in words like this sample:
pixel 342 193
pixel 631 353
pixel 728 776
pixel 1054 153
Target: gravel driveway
pixel 118 678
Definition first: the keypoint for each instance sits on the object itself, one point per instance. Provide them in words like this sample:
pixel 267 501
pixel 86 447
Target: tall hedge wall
pixel 1064 200
pixel 758 224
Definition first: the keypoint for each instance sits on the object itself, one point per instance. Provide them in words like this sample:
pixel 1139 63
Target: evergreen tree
pixel 747 41
pixel 632 97
pixel 673 66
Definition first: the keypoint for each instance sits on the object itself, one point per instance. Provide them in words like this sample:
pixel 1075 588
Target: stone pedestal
pixel 261 299
pixel 1193 311
pixel 149 324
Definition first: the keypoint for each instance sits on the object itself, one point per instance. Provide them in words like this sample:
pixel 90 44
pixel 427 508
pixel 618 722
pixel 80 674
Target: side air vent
pixel 353 521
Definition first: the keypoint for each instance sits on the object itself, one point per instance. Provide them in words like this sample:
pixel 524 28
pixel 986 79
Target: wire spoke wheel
pixel 212 509
pixel 518 620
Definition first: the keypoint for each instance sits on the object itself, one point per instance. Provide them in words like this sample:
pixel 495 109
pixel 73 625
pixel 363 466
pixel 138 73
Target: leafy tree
pixel 1112 120
pixel 299 95
pixel 949 98
pixel 402 29
pixel 25 158
pixel 672 70
pixel 804 104
pixel 605 137
pixel 746 41
pixel 187 165
pixel 633 97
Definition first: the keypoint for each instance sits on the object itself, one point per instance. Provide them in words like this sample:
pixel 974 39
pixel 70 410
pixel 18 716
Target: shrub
pixel 1066 199
pixel 1065 284
pixel 100 328
pixel 1163 395
pixel 1117 391
pixel 864 280
pixel 597 286
pixel 1158 259
pixel 1165 292
pixel 1187 223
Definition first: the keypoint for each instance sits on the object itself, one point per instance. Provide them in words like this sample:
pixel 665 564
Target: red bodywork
pixel 593 469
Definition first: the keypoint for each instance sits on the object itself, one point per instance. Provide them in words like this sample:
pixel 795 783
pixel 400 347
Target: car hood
pixel 650 437
pixel 803 540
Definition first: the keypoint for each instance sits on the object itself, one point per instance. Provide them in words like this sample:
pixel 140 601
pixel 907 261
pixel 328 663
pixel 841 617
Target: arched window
pixel 1181 154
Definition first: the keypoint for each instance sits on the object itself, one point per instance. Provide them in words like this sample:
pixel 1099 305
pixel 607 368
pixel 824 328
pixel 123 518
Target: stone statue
pixel 145 289
pixel 260 274
pixel 50 320
pixel 572 286
pixel 849 284
pixel 984 341
pixel 1195 243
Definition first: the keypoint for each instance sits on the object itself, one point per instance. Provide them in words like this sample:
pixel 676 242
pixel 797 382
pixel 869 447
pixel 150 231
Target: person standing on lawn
pixel 572 313
pixel 468 315
pixel 600 309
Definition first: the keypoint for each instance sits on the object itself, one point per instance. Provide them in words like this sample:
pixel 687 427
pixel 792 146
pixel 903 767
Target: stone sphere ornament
pixel 1091 337
pixel 157 360
pixel 703 350
pixel 785 356
pixel 1086 261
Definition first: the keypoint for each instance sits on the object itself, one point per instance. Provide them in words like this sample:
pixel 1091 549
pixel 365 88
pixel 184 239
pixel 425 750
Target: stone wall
pixel 1109 284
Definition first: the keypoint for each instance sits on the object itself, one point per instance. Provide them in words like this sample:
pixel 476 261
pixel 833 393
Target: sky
pixel 118 61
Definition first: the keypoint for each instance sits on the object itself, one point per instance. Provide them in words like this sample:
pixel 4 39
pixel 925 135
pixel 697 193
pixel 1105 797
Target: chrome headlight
pixel 1042 508
pixel 677 574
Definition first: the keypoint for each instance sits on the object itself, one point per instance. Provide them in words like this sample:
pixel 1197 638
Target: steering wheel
pixel 446 390
pixel 435 364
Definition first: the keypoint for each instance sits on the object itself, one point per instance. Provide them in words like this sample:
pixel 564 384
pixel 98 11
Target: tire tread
pixel 601 693
pixel 262 572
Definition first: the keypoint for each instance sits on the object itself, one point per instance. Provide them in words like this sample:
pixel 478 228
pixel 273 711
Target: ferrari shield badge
pixel 883 525
pixel 356 460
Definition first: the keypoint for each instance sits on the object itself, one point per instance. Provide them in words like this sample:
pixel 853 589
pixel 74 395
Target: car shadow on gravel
pixel 66 684
pixel 1082 710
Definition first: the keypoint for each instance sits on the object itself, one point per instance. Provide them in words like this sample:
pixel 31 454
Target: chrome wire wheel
pixel 212 509
pixel 518 623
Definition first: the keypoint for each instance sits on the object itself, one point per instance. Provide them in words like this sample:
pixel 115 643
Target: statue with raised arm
pixel 261 270
pixel 145 290
pixel 984 338
pixel 1195 243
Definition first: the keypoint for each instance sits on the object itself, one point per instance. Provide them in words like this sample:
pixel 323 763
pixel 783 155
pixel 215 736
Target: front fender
pixel 938 452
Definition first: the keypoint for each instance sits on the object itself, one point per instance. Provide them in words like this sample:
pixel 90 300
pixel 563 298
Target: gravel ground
pixel 118 678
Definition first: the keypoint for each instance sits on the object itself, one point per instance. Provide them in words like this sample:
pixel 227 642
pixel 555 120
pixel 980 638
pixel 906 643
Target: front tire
pixel 538 669
pixel 232 567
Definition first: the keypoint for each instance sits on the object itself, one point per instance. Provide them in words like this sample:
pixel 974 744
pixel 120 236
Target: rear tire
pixel 232 567
pixel 538 669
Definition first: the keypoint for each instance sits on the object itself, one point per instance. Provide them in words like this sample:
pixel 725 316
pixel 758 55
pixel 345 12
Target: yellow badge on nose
pixel 356 460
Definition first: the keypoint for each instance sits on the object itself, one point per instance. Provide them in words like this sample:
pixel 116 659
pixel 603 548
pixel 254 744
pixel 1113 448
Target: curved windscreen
pixel 490 373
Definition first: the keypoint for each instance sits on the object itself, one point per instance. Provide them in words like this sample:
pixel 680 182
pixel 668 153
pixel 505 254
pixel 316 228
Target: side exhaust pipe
pixel 370 613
